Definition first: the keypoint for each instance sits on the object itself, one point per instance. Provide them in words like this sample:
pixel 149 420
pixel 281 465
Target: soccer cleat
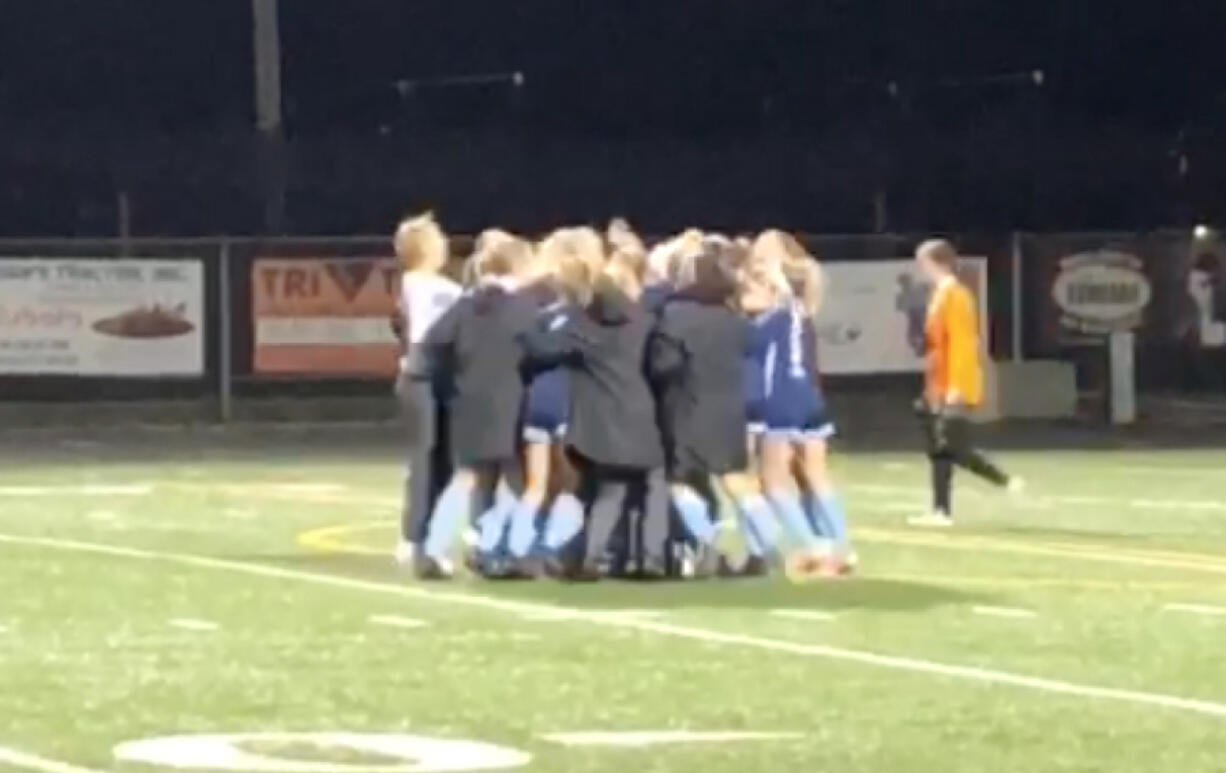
pixel 933 520
pixel 1016 485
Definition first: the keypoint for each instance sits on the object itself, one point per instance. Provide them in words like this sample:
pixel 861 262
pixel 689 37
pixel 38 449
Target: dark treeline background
pixel 819 115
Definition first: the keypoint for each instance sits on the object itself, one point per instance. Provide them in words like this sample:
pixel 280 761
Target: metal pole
pixel 268 115
pixel 225 375
pixel 267 66
pixel 1016 311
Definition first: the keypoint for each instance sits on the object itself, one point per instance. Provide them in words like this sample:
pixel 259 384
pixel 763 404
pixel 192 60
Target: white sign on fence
pixel 872 317
pixel 91 317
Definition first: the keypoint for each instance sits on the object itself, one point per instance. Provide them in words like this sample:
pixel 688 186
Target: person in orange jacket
pixel 953 382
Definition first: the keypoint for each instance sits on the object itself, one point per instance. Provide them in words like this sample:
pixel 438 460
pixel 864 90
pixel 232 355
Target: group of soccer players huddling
pixel 566 388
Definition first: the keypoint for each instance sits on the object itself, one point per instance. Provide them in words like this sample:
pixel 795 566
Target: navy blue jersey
pixel 548 400
pixel 793 401
pixel 755 376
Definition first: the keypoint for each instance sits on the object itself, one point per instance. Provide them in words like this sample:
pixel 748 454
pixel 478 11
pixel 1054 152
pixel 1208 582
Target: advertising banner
pixel 325 317
pixel 98 317
pixel 872 317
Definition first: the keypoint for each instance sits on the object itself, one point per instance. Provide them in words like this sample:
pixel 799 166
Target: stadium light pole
pixel 270 140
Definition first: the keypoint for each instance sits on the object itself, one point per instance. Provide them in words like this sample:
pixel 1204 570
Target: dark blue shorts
pixel 797 417
pixel 547 407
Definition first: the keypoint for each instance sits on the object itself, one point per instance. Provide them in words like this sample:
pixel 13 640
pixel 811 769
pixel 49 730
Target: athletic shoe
pixel 933 520
pixel 1016 485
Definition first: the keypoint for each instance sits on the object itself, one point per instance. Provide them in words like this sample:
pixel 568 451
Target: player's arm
pixel 667 353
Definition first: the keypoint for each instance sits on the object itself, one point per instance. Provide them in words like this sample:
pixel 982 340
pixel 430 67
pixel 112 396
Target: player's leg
pixel 755 517
pixel 940 465
pixel 969 458
pixel 822 502
pixel 780 489
pixel 565 519
pixel 420 479
pixel 654 524
pixel 451 513
pixel 537 452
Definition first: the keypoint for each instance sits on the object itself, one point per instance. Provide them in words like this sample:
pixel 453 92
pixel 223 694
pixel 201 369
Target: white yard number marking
pixel 388 753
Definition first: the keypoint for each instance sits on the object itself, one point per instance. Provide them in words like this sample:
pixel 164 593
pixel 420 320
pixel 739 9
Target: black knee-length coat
pixel 480 360
pixel 612 418
pixel 696 361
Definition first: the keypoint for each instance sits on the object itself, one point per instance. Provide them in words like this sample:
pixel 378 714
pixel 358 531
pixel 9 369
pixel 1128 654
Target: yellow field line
pixel 1088 552
pixel 330 539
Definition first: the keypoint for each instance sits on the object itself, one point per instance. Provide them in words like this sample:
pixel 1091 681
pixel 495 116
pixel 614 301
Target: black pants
pixel 609 493
pixel 950 445
pixel 429 459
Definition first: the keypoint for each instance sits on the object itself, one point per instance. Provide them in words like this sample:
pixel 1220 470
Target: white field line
pixel 396 621
pixel 803 614
pixel 558 614
pixel 24 761
pixel 861 657
pixel 1011 612
pixel 1155 469
pixel 191 624
pixel 87 490
pixel 641 738
pixel 1197 609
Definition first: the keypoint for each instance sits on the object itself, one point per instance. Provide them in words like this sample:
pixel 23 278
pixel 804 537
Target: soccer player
pixel 611 434
pixel 425 295
pixel 697 357
pixel 560 284
pixel 953 382
pixel 481 358
pixel 798 425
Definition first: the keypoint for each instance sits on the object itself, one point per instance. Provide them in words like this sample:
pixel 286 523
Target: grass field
pixel 1080 628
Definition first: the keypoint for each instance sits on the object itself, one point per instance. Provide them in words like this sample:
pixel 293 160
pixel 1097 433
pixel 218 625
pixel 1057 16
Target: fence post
pixel 1015 328
pixel 224 344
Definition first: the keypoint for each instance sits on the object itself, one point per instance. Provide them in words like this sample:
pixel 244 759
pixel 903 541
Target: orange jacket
pixel 951 336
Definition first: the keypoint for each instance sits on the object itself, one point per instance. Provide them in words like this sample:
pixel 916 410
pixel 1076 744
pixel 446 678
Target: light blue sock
pixel 749 533
pixel 758 525
pixel 695 514
pixel 450 513
pixel 523 526
pixel 826 510
pixel 792 513
pixel 492 524
pixel 564 522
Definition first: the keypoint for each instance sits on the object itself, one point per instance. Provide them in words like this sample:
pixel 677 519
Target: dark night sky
pixel 674 64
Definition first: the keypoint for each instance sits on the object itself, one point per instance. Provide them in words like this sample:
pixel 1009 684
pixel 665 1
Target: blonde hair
pixel 626 270
pixel 684 250
pixel 575 258
pixel 420 243
pixel 497 253
pixel 622 238
pixel 806 281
